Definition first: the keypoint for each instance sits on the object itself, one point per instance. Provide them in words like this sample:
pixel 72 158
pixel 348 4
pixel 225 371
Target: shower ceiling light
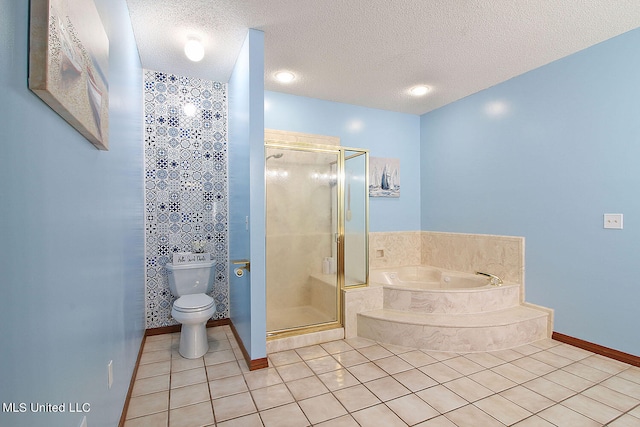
pixel 285 76
pixel 194 50
pixel 419 90
pixel 190 109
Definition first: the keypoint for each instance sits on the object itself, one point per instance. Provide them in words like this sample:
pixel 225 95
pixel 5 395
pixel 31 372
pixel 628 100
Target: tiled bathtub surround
pixel 185 183
pixel 499 255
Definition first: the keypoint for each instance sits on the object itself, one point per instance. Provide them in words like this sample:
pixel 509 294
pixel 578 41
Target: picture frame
pixel 384 177
pixel 68 64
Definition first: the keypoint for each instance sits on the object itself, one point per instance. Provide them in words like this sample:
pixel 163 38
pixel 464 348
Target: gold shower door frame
pixel 342 155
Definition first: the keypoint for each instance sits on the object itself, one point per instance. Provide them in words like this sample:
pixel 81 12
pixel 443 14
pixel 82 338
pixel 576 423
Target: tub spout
pixel 493 279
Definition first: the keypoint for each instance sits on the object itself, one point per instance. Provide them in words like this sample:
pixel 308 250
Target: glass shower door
pixel 302 192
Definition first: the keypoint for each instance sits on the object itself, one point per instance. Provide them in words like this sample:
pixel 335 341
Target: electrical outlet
pixel 110 370
pixel 613 221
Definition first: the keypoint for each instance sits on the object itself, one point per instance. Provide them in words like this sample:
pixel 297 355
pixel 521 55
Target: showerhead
pixel 275 156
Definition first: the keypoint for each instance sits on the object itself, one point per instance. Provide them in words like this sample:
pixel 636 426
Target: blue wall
pixel 544 156
pixel 384 133
pixel 72 237
pixel 246 194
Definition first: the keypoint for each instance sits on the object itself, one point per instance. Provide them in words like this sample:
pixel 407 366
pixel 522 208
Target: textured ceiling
pixel 369 52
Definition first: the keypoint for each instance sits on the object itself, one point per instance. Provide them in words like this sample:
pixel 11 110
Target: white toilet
pixel 190 283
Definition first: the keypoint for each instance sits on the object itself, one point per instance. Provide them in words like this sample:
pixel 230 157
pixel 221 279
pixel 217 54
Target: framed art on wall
pixel 384 177
pixel 68 64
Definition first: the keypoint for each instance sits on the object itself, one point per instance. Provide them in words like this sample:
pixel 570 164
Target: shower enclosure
pixel 316 233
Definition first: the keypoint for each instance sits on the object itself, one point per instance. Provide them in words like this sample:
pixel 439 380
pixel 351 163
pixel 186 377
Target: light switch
pixel 613 221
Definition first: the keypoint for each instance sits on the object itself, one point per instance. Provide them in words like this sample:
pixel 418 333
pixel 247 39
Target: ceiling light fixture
pixel 419 90
pixel 194 50
pixel 285 76
pixel 190 110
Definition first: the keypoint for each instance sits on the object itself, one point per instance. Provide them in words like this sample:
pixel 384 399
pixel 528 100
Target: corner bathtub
pixel 434 290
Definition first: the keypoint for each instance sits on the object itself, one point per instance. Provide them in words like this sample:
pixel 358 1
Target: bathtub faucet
pixel 493 279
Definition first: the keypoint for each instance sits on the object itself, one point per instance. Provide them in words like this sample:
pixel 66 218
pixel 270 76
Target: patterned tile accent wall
pixel 186 179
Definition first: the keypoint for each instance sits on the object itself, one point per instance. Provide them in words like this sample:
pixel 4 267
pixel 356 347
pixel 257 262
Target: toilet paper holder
pixel 243 263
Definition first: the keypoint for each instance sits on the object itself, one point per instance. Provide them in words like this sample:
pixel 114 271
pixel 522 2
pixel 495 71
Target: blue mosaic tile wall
pixel 186 191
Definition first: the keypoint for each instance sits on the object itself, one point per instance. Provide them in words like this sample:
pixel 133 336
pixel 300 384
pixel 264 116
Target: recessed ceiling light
pixel 194 50
pixel 190 109
pixel 419 90
pixel 285 76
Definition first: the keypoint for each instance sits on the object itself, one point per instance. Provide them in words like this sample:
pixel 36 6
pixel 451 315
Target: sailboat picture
pixel 384 177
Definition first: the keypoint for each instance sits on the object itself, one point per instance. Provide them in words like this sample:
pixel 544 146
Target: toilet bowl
pixel 193 308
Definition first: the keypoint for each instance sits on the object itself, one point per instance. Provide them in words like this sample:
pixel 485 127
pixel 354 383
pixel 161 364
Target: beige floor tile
pixel 284 416
pixel 189 377
pixel 350 358
pixel 624 421
pixel 158 342
pixel 623 386
pixel 514 373
pixel 396 349
pixel 367 372
pixel 545 343
pixel 412 409
pixel 386 388
pixel 534 366
pixel 155 356
pixel 441 372
pixel 233 406
pixel 379 415
pixel 322 408
pixel 635 412
pixel 552 359
pixel 528 399
pixel 227 386
pixel 374 352
pixel 334 347
pixel 252 420
pixel 150 385
pixel 393 365
pixel 222 356
pixel 611 397
pixel 160 419
pixel 284 358
pixel 305 388
pixel 492 381
pixel 415 380
pixel 189 395
pixel 440 356
pixel 154 369
pixel 527 349
pixel 182 364
pixel 471 416
pixel 569 380
pixel 631 374
pixel 343 421
pixel 223 370
pixel 323 364
pixel 219 345
pixel 148 404
pixel 468 389
pixel 440 421
pixel 198 415
pixel 294 371
pixel 417 358
pixel 507 355
pixel 570 352
pixel 592 408
pixel 463 365
pixel 586 372
pixel 502 409
pixel 356 397
pixel 336 380
pixel 441 398
pixel 534 421
pixel 562 416
pixel 605 364
pixel 272 396
pixel 487 360
pixel 359 342
pixel 262 378
pixel 549 389
pixel 311 352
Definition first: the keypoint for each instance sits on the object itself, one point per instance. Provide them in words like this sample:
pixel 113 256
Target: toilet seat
pixel 193 302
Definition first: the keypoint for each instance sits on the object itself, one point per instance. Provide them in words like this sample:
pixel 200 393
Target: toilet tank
pixel 193 278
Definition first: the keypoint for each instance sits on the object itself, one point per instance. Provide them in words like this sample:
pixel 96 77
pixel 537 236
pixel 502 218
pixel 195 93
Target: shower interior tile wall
pixel 186 191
